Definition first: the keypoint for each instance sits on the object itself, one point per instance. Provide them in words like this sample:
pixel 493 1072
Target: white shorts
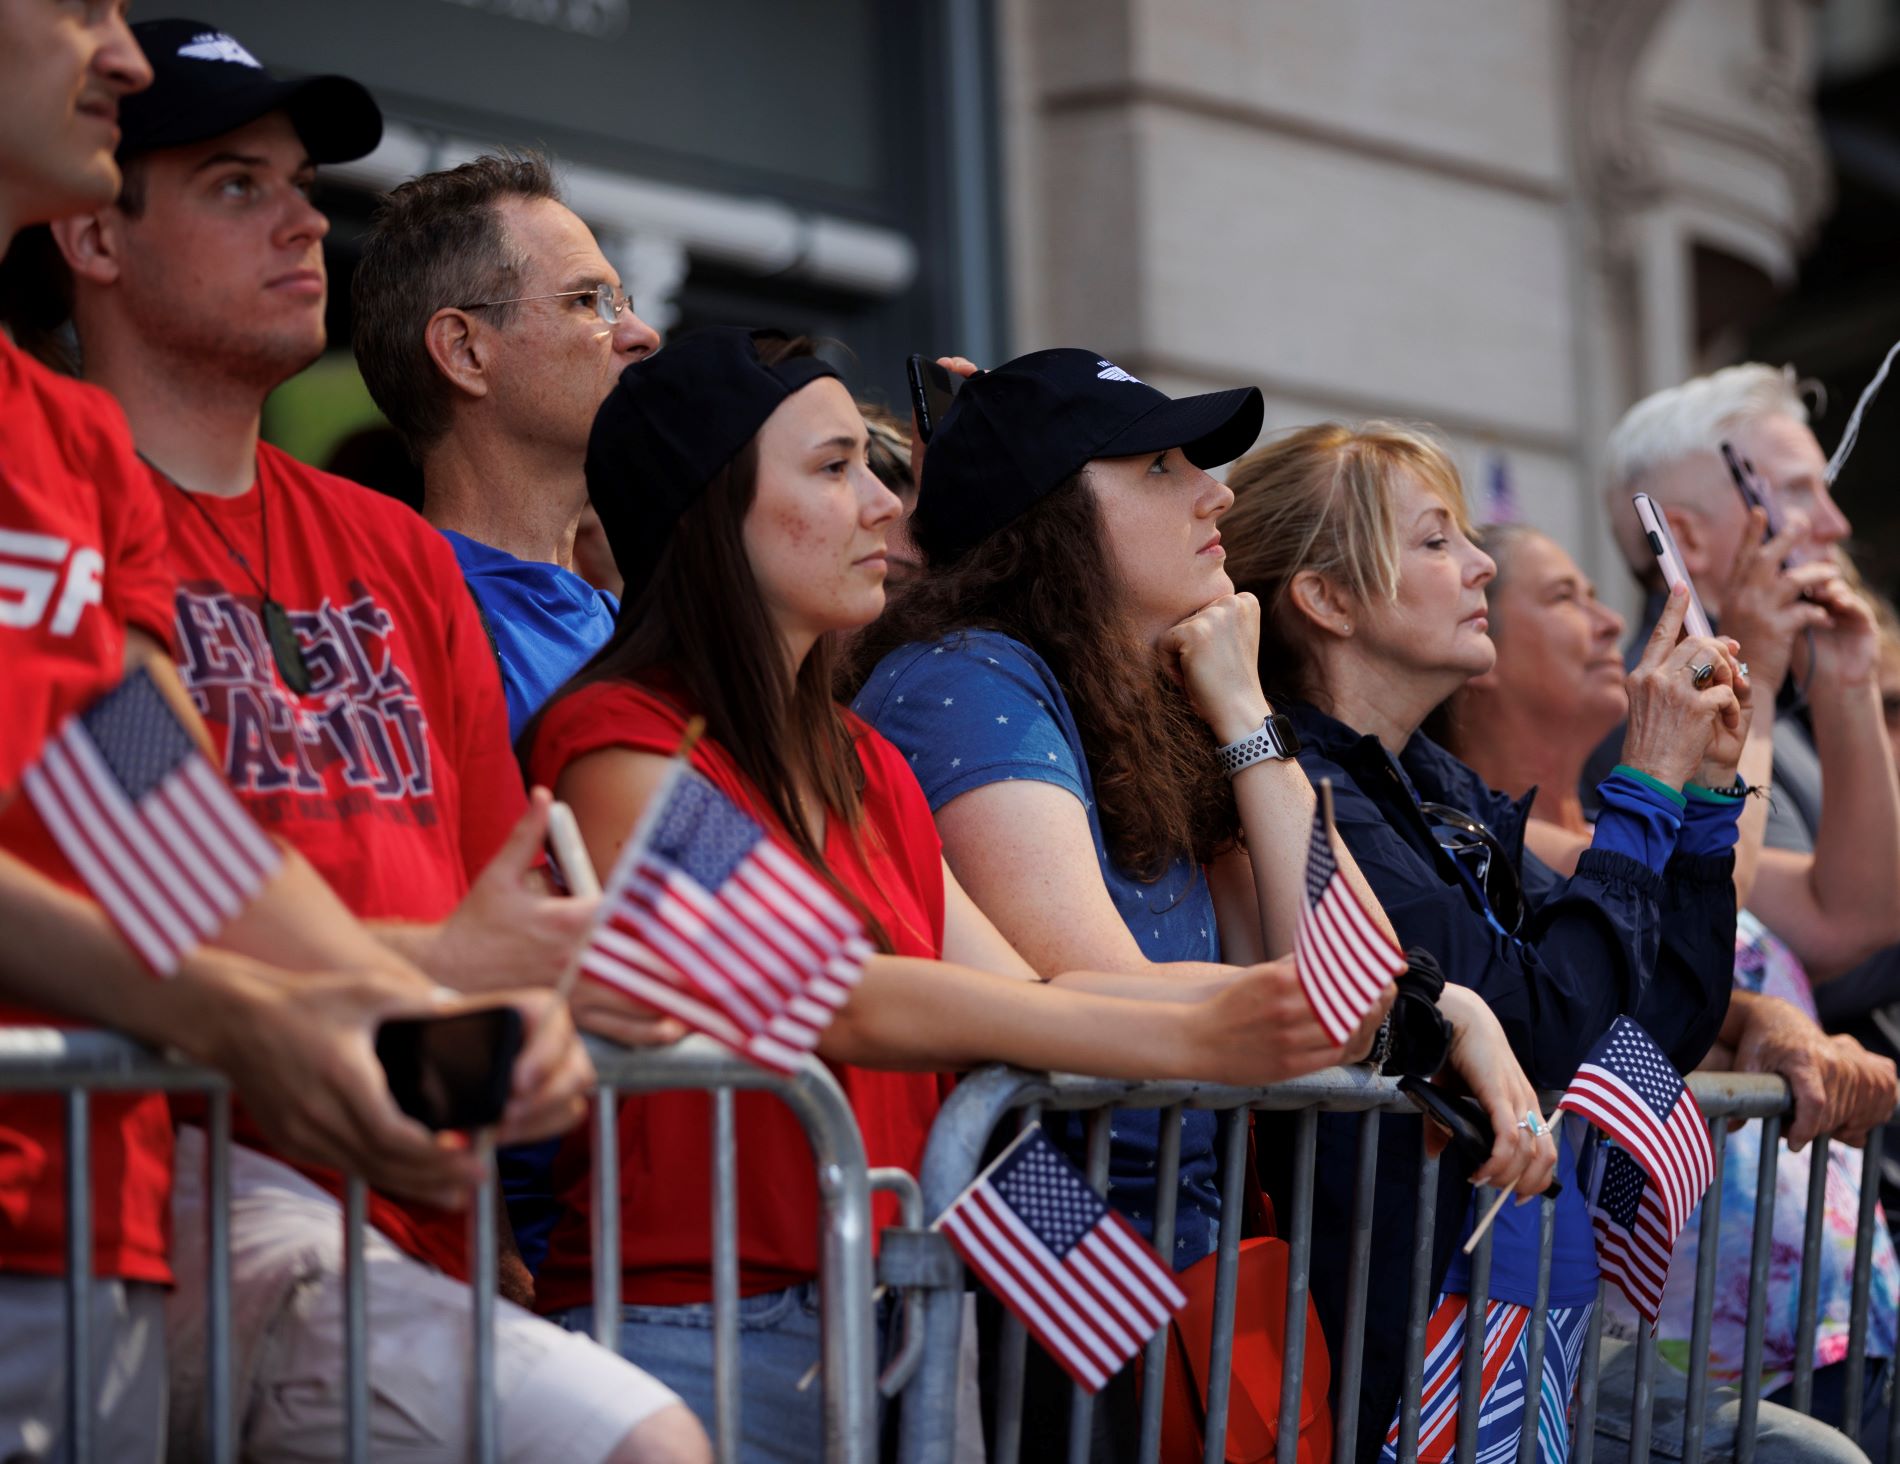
pixel 558 1395
pixel 128 1369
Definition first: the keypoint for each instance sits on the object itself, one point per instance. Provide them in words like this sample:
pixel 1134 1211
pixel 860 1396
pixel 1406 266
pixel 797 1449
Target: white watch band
pixel 1257 746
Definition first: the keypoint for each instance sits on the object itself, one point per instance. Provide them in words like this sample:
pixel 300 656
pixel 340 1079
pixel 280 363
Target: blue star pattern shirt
pixel 546 621
pixel 976 708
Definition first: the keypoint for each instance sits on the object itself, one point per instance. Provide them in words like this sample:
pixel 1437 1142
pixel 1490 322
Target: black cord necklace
pixel 284 648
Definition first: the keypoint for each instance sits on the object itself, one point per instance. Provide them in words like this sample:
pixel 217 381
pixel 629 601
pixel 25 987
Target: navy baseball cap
pixel 1016 433
pixel 205 84
pixel 672 421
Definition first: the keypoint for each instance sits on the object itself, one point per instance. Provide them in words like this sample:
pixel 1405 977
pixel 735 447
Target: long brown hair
pixel 701 619
pixel 1047 580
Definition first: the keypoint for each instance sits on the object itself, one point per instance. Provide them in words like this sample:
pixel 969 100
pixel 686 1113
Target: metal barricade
pixel 79 1063
pixel 925 1263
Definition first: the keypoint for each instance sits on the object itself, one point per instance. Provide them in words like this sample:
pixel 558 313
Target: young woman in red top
pixel 729 472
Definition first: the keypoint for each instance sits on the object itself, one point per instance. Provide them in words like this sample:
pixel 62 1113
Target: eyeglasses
pixel 1480 855
pixel 609 305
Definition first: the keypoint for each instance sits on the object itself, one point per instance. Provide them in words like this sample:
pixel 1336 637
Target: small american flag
pixel 1647 1184
pixel 155 833
pixel 709 920
pixel 1076 1273
pixel 1345 959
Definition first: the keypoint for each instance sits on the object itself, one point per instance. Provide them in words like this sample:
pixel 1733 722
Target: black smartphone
pixel 1755 492
pixel 1462 1118
pixel 451 1072
pixel 932 389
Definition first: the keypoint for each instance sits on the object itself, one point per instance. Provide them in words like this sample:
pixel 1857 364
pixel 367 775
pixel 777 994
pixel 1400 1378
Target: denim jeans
pixel 1782 1435
pixel 778 1344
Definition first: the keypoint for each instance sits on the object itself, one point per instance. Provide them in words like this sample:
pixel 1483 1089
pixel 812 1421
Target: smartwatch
pixel 1273 738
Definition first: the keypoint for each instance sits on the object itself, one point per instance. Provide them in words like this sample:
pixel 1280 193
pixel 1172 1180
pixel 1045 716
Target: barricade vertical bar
pixel 483 1266
pixel 1358 1277
pixel 1708 1243
pixel 1299 1261
pixel 1477 1313
pixel 1855 1381
pixel 1539 1329
pixel 79 1406
pixel 355 1323
pixel 1758 1251
pixel 725 1257
pixel 1643 1396
pixel 607 1217
pixel 1233 1188
pixel 220 1415
pixel 1011 1352
pixel 1808 1302
pixel 1155 1359
pixel 1583 1442
pixel 1081 1400
pixel 1418 1309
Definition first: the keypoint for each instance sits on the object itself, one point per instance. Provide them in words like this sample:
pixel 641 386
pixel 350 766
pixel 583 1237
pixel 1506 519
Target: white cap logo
pixel 1111 372
pixel 217 46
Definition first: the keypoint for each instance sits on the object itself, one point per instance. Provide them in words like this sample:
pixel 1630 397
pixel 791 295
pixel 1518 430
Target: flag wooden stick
pixel 1484 1221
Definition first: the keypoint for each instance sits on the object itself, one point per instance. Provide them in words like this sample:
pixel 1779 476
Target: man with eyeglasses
pixel 347 683
pixel 489 328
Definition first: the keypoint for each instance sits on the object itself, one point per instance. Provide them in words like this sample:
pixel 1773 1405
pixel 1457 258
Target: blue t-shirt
pixel 976 708
pixel 546 621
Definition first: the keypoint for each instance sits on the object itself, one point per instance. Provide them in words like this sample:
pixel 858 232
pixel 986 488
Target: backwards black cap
pixel 204 84
pixel 1016 433
pixel 672 421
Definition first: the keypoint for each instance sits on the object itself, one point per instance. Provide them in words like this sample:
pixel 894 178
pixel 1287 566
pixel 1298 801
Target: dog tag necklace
pixel 278 631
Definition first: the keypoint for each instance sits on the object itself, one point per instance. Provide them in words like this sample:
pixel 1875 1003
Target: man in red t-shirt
pixel 324 634
pixel 84 596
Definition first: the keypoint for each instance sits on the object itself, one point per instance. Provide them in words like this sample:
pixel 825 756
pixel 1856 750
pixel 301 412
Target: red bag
pixel 1253 1397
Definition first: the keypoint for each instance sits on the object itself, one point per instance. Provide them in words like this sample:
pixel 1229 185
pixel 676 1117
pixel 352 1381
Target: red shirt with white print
pixel 393 775
pixel 82 551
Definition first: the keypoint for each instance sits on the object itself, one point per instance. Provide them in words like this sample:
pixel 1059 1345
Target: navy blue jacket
pixel 1613 938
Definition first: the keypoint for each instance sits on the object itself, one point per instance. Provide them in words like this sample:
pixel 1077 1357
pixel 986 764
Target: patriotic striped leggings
pixel 1506 1370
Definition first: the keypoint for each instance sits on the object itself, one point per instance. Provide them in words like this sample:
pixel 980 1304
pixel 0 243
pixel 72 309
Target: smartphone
pixel 1462 1118
pixel 1663 545
pixel 932 389
pixel 451 1072
pixel 1756 493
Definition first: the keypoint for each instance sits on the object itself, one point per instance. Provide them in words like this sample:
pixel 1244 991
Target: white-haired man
pixel 1837 902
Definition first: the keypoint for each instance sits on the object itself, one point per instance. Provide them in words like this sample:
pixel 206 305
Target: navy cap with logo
pixel 672 421
pixel 1016 433
pixel 205 84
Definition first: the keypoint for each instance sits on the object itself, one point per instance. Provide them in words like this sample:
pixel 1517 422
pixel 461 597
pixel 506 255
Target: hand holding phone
pixel 1462 1118
pixel 451 1072
pixel 932 389
pixel 1663 545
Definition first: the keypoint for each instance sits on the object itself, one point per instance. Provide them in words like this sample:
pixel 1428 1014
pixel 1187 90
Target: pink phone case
pixel 1663 545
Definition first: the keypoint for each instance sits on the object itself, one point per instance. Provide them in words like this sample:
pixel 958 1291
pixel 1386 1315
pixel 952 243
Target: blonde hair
pixel 1320 499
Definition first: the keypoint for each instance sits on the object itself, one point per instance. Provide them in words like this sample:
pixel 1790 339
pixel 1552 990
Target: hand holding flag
pixel 1648 1182
pixel 707 919
pixel 1345 958
pixel 1073 1270
pixel 157 835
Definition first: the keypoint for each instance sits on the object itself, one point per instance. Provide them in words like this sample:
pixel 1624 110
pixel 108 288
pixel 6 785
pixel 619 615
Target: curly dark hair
pixel 1047 580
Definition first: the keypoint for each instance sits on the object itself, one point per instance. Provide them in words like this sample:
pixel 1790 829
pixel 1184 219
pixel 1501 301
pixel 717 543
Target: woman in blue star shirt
pixel 1075 684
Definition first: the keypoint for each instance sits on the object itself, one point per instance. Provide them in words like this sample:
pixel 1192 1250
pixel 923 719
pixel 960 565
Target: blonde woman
pixel 1357 544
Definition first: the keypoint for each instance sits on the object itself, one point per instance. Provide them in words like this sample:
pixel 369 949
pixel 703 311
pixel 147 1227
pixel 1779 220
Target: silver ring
pixel 1702 674
pixel 1742 666
pixel 1532 1121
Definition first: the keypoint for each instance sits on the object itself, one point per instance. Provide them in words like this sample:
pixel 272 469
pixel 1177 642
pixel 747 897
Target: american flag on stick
pixel 159 838
pixel 1344 957
pixel 707 919
pixel 1648 1182
pixel 1074 1271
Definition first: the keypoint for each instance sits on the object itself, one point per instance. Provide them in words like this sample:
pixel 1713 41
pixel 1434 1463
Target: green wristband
pixel 1673 794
